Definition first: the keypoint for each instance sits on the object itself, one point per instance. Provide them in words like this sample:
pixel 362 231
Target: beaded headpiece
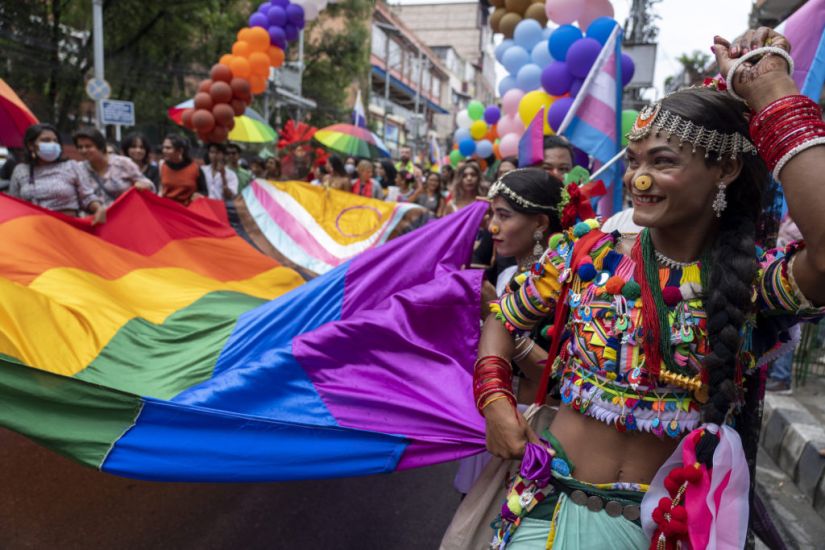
pixel 654 119
pixel 501 188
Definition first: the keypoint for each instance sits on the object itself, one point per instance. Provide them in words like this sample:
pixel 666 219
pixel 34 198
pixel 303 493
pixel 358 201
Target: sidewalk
pixel 793 436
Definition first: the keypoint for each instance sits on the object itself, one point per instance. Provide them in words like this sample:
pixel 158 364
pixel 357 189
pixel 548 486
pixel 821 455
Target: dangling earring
pixel 720 202
pixel 538 249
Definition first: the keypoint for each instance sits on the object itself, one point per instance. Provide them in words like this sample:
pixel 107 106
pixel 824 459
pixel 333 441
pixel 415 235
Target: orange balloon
pixel 496 152
pixel 257 84
pixel 241 48
pixel 240 67
pixel 226 59
pixel 492 134
pixel 259 63
pixel 276 56
pixel 258 39
pixel 243 34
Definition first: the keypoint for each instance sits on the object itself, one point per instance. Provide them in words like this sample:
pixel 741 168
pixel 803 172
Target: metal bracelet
pixel 750 55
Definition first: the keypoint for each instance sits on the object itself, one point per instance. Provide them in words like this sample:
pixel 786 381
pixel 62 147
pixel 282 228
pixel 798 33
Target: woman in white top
pixel 221 182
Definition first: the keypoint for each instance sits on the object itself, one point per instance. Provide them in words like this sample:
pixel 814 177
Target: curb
pixel 793 438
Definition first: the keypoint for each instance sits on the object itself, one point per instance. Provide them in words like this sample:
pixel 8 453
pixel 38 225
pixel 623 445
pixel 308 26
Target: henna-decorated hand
pixel 759 80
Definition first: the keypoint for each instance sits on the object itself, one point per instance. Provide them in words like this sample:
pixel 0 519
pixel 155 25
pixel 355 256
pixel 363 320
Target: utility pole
pixel 300 72
pixel 418 100
pixel 388 31
pixel 97 35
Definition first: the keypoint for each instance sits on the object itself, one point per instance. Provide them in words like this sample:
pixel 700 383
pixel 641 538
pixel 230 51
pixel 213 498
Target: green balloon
pixel 475 109
pixel 455 157
pixel 628 118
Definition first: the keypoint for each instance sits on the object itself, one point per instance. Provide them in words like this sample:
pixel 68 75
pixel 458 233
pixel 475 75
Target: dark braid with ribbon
pixel 727 296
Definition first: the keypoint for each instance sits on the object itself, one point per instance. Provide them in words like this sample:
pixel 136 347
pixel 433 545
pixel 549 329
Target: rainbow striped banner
pixel 161 346
pixel 316 229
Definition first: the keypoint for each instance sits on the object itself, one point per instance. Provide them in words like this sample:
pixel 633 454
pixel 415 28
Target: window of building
pixel 379 42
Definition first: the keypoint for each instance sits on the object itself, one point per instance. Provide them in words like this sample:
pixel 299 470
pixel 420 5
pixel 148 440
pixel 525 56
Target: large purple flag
pixel 365 369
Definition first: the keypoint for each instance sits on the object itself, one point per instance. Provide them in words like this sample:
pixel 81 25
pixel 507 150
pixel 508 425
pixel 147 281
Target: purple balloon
pixel 258 19
pixel 581 56
pixel 264 7
pixel 291 32
pixel 492 114
pixel 277 37
pixel 276 16
pixel 556 79
pixel 295 14
pixel 576 86
pixel 557 112
pixel 628 68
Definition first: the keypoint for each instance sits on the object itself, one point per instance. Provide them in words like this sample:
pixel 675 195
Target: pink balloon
pixel 508 146
pixel 564 11
pixel 593 9
pixel 510 101
pixel 504 124
pixel 518 126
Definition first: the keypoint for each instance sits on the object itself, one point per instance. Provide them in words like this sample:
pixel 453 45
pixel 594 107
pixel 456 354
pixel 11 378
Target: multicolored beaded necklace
pixel 657 347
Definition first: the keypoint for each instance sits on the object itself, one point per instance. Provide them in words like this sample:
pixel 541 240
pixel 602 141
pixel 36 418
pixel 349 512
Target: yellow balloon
pixel 478 130
pixel 530 105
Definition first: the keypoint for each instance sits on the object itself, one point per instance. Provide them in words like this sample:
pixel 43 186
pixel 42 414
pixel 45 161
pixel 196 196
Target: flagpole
pixel 608 164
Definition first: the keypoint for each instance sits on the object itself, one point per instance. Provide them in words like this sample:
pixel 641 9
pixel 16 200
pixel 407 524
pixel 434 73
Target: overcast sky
pixel 684 26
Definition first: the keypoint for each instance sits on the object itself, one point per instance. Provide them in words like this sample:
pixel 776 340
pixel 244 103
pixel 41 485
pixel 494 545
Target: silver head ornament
pixel 654 120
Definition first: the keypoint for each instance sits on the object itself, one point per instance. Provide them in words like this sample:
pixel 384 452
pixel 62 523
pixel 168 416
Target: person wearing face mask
pixel 349 166
pixel 47 180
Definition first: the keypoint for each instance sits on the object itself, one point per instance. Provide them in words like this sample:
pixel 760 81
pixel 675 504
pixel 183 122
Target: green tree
pixel 335 55
pixel 155 52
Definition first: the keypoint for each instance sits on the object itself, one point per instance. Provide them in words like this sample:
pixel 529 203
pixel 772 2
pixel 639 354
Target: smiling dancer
pixel 659 334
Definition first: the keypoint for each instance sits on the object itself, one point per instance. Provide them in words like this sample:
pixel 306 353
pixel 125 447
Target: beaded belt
pixel 597 503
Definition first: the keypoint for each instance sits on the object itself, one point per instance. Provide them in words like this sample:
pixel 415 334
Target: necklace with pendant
pixel 671 263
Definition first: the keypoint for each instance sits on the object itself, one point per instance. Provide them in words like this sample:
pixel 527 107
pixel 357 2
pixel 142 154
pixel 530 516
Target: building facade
pixel 461 35
pixel 409 85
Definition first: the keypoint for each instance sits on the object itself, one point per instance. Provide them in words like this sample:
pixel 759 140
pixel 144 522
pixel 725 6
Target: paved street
pixel 50 502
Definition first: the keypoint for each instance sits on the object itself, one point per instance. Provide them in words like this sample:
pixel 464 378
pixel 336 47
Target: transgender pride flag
pixel 805 30
pixel 593 123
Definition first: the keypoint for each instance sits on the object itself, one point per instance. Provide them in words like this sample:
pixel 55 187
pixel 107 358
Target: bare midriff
pixel 602 454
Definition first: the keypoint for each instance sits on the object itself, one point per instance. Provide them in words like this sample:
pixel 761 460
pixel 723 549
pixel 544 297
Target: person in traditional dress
pixel 655 339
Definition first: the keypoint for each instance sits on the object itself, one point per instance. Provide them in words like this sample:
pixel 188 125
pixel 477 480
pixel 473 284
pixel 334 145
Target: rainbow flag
pixel 314 229
pixel 161 346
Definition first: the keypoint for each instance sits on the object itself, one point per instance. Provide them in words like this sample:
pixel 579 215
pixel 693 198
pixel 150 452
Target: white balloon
pixel 463 120
pixel 310 11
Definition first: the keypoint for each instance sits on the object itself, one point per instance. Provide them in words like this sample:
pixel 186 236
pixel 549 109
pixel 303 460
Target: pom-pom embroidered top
pixel 602 365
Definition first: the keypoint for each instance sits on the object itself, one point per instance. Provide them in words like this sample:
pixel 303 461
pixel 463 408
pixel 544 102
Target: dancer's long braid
pixel 727 303
pixel 734 267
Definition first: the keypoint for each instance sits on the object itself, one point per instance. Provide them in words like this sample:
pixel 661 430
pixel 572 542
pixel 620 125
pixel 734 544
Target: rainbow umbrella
pixel 352 141
pixel 15 117
pixel 250 127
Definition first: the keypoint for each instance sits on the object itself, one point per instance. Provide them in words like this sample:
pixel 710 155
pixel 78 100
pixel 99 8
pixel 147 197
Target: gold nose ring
pixel 494 229
pixel 643 183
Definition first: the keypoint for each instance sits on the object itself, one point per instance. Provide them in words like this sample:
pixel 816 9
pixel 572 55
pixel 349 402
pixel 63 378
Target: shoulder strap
pixel 99 182
pixel 581 248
